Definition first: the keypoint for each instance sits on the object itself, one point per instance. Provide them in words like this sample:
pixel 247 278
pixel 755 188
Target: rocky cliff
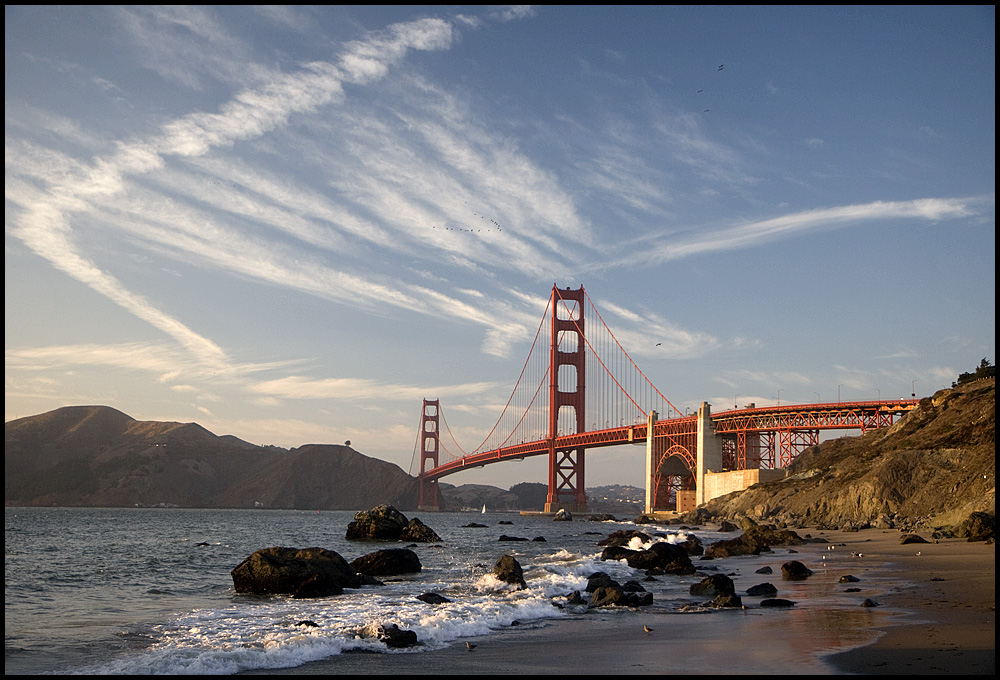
pixel 930 469
pixel 98 456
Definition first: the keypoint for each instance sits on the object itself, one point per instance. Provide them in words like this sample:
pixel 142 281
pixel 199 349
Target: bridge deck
pixel 862 415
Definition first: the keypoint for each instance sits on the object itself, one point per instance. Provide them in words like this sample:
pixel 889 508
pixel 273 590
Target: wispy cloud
pixel 752 234
pixel 45 219
pixel 300 387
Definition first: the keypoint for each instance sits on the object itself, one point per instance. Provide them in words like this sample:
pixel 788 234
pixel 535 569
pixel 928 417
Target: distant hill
pixel 98 456
pixel 930 469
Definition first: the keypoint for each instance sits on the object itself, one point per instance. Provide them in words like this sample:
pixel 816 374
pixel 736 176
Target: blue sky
pixel 252 218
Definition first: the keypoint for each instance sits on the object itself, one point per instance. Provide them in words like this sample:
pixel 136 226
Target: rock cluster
pixel 720 588
pixel 308 572
pixel 606 592
pixel 386 523
pixel 757 538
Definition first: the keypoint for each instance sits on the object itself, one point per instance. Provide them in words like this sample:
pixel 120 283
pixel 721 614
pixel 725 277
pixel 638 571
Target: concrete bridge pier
pixel 709 451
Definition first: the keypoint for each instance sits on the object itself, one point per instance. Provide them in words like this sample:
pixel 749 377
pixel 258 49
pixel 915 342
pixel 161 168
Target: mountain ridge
pixel 99 456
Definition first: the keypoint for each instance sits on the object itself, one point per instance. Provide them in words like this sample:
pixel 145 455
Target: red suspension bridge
pixel 580 390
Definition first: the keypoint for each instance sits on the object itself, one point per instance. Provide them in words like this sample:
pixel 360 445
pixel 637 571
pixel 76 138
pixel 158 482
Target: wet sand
pixel 935 616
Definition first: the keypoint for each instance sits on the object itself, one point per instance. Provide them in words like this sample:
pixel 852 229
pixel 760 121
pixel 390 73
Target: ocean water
pixel 149 591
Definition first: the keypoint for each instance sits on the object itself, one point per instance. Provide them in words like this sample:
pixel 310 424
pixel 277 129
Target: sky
pixel 292 224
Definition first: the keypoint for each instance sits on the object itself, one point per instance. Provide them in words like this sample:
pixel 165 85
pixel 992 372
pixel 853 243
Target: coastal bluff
pixel 933 468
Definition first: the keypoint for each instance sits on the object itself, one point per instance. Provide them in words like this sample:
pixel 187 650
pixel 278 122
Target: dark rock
pixel 643 599
pixel 384 523
pixel 868 602
pixel 667 557
pixel 776 602
pixel 314 586
pixel 388 562
pixel 764 570
pixel 726 526
pixel 692 545
pixel 307 572
pixel 762 590
pixel 474 525
pixel 508 570
pixel 616 552
pixel 307 623
pixel 602 518
pixel 505 521
pixel 539 539
pixel 795 571
pixel 633 587
pixel 716 584
pixel 419 532
pixel 563 515
pixel 912 538
pixel 611 596
pixel 606 596
pixel 574 598
pixel 623 537
pixel 599 579
pixel 726 600
pixel 396 637
pixel 847 578
pixel 756 539
pixel 505 537
pixel 664 557
pixel 433 598
pixel 978 526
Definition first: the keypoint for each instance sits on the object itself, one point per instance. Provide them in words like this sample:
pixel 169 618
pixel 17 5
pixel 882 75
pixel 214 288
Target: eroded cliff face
pixel 930 469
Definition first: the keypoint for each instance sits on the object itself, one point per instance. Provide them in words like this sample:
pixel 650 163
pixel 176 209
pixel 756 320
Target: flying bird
pixel 720 66
pixel 470 646
pixel 647 629
pixel 658 344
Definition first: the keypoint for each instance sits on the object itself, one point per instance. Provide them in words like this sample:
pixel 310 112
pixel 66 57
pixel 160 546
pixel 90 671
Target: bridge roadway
pixel 861 415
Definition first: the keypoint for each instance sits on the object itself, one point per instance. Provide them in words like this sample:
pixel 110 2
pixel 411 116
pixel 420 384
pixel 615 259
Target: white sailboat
pixel 484 509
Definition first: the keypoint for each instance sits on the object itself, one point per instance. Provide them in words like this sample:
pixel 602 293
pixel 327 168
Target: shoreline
pixel 948 590
pixel 936 615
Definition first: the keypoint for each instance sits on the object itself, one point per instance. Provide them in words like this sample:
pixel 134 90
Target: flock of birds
pixel 474 230
pixel 721 66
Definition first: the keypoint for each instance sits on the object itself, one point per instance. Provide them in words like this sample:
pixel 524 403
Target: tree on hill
pixel 985 370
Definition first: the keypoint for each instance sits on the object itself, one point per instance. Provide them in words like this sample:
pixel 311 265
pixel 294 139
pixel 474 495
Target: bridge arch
pixel 673 471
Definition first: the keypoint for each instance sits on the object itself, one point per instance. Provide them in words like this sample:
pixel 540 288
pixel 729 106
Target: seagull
pixel 658 344
pixel 470 646
pixel 720 66
pixel 647 629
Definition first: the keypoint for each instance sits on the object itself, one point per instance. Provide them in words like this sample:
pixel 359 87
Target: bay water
pixel 149 590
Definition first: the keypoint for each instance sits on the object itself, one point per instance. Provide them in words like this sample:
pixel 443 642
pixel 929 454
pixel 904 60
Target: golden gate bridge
pixel 579 389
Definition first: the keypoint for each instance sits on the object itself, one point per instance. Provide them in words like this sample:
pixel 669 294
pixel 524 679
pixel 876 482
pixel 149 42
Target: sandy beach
pixel 935 616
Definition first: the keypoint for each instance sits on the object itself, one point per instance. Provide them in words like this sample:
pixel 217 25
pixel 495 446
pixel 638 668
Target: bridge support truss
pixel 567 389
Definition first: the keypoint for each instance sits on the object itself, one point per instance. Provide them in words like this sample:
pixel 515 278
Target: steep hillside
pixel 332 477
pixel 97 456
pixel 931 468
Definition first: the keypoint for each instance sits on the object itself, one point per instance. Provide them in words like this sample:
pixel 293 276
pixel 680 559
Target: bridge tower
pixel 430 445
pixel 566 390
